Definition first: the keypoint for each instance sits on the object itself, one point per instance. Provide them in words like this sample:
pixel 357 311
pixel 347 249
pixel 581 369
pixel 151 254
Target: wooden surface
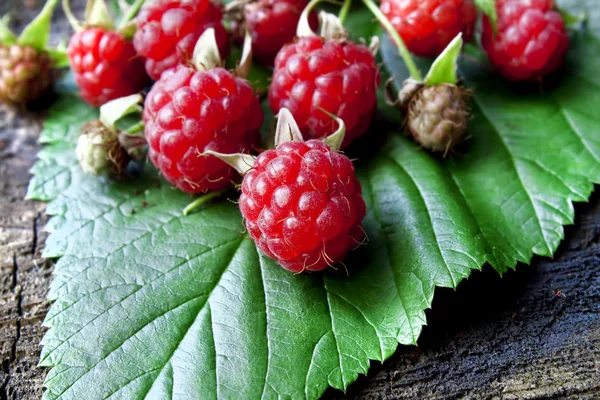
pixel 533 334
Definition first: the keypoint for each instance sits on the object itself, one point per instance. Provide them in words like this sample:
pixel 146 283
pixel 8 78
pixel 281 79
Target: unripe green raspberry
pixel 438 116
pixel 25 74
pixel 99 151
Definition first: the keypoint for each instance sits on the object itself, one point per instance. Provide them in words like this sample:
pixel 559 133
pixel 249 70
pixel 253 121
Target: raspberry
pixel 25 74
pixel 531 41
pixel 272 24
pixel 428 26
pixel 169 29
pixel 98 150
pixel 188 112
pixel 438 116
pixel 105 64
pixel 302 204
pixel 315 74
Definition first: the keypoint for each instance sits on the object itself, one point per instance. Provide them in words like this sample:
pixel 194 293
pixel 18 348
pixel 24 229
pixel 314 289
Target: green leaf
pixel 443 69
pixel 489 8
pixel 37 33
pixel 7 37
pixel 151 303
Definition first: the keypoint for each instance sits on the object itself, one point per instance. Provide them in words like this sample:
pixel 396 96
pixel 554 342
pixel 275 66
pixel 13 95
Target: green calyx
pixel 98 15
pixel 443 69
pixel 104 149
pixel 489 9
pixel 35 35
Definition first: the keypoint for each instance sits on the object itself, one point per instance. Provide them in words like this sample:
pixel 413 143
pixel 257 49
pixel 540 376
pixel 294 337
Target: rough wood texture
pixel 535 333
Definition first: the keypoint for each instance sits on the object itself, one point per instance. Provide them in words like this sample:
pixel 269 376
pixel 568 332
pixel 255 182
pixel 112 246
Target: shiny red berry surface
pixel 188 112
pixel 428 26
pixel 167 32
pixel 531 41
pixel 303 206
pixel 313 75
pixel 272 24
pixel 105 65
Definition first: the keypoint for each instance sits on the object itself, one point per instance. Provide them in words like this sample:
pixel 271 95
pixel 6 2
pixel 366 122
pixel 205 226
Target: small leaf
pixel 59 55
pixel 335 140
pixel 7 37
pixel 489 8
pixel 303 29
pixel 245 64
pixel 37 33
pixel 116 109
pixel 287 129
pixel 241 162
pixel 206 52
pixel 443 69
pixel 572 19
pixel 97 14
pixel 331 26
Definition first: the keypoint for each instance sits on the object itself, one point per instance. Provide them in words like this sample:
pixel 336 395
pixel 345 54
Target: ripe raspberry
pixel 169 29
pixel 188 112
pixel 105 64
pixel 531 41
pixel 438 116
pixel 272 24
pixel 338 76
pixel 303 205
pixel 25 74
pixel 428 26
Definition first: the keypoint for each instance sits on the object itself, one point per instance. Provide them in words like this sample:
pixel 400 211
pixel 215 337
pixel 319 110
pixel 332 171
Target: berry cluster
pixel 301 201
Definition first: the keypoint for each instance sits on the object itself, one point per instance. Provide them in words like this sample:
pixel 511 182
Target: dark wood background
pixel 533 334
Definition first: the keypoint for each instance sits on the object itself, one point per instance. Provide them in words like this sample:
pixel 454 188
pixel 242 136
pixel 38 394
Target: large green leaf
pixel 151 303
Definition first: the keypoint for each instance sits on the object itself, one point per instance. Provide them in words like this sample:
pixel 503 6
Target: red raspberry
pixel 303 205
pixel 428 26
pixel 188 112
pixel 168 30
pixel 272 24
pixel 106 66
pixel 531 41
pixel 338 76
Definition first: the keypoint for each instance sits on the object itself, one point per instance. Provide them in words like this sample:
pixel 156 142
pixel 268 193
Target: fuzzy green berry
pixel 99 151
pixel 438 116
pixel 25 74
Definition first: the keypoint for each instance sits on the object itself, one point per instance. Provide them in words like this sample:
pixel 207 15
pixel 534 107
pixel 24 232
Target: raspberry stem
pixel 131 12
pixel 345 10
pixel 203 200
pixel 404 53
